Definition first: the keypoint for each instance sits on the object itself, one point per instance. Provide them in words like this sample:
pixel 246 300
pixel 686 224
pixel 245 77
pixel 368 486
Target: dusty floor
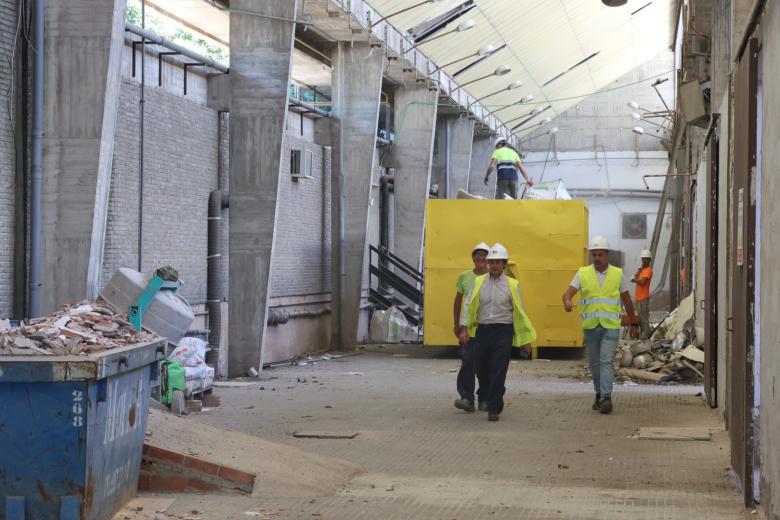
pixel 549 457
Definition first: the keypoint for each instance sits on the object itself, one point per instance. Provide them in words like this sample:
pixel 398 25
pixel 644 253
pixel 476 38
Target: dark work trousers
pixel 494 349
pixel 467 372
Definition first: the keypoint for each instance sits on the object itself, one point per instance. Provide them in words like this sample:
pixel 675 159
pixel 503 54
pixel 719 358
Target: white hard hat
pixel 498 252
pixel 646 254
pixel 481 247
pixel 500 140
pixel 599 242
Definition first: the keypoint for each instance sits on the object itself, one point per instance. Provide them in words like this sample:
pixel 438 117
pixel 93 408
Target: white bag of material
pixel 186 356
pixel 388 326
pixel 396 325
pixel 198 344
pixel 377 329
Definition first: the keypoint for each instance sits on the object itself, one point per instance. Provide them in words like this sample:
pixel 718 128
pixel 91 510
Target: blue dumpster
pixel 72 431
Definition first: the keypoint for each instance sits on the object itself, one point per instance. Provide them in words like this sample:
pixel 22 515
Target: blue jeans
pixel 602 345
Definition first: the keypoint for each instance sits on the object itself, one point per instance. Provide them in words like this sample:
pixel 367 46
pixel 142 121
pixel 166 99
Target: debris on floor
pixel 671 356
pixel 85 328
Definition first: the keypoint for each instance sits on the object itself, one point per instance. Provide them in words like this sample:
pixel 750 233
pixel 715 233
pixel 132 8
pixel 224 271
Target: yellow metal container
pixel 546 240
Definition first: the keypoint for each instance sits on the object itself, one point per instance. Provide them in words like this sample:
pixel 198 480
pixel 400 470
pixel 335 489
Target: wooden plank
pixel 674 434
pixel 325 435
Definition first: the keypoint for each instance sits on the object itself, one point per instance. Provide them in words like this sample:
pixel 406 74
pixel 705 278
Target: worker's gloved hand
pixel 462 350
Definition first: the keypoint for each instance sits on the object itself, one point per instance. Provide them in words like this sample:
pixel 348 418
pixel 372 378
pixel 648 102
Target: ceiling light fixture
pixel 535 112
pixel 525 99
pixel 503 70
pixel 614 3
pixel 512 86
pixel 484 51
pixel 462 27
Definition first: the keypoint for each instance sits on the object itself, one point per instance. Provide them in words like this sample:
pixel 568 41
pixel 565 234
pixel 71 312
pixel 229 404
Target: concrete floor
pixel 549 457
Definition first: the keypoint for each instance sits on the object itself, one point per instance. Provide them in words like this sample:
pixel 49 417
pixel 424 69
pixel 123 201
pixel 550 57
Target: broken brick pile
pixel 85 328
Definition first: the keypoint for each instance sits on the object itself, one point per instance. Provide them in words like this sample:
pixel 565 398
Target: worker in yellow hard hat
pixel 466 351
pixel 493 314
pixel 602 287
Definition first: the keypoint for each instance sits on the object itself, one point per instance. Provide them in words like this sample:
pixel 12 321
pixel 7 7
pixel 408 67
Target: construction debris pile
pixel 86 328
pixel 673 353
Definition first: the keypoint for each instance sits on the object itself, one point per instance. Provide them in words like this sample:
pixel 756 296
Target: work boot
pixel 492 416
pixel 465 405
pixel 482 406
pixel 606 406
pixel 597 403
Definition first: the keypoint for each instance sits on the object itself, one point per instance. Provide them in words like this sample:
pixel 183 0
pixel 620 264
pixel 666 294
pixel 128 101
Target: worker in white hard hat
pixel 602 287
pixel 507 163
pixel 467 370
pixel 493 314
pixel 642 279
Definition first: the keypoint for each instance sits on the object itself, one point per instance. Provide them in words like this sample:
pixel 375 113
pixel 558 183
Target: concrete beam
pixel 461 136
pixel 83 41
pixel 481 151
pixel 260 61
pixel 357 88
pixel 415 120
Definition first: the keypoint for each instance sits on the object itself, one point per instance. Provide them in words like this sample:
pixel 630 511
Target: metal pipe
pixel 758 7
pixel 342 257
pixel 159 40
pixel 678 138
pixel 141 111
pixel 644 177
pixel 37 162
pixel 307 107
pixel 215 295
pixel 447 153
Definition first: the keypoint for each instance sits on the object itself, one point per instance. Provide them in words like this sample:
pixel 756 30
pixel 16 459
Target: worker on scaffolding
pixel 602 288
pixel 467 366
pixel 642 279
pixel 506 162
pixel 493 315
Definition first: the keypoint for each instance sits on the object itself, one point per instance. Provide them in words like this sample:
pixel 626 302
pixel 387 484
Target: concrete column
pixel 415 120
pixel 260 60
pixel 83 41
pixel 357 88
pixel 461 136
pixel 481 152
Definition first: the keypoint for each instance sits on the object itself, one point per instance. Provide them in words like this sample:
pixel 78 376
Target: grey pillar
pixel 461 136
pixel 260 60
pixel 357 87
pixel 481 152
pixel 82 60
pixel 415 119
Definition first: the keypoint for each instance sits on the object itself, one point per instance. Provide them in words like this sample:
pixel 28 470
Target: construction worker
pixel 466 351
pixel 493 315
pixel 506 161
pixel 602 288
pixel 642 279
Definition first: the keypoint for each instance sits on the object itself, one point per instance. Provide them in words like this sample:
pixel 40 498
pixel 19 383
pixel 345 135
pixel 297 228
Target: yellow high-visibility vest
pixel 524 330
pixel 600 305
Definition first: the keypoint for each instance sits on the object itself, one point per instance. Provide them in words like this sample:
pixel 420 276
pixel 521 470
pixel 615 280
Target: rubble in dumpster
pixel 672 355
pixel 85 328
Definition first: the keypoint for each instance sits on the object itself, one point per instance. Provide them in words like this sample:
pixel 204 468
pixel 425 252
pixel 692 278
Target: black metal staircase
pixel 397 283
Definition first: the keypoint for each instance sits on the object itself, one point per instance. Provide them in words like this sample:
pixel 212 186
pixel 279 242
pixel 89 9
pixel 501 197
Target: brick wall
pixel 180 170
pixel 301 263
pixel 186 150
pixel 8 19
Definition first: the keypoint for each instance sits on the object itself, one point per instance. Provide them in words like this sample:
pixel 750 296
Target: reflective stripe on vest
pixel 600 304
pixel 524 332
